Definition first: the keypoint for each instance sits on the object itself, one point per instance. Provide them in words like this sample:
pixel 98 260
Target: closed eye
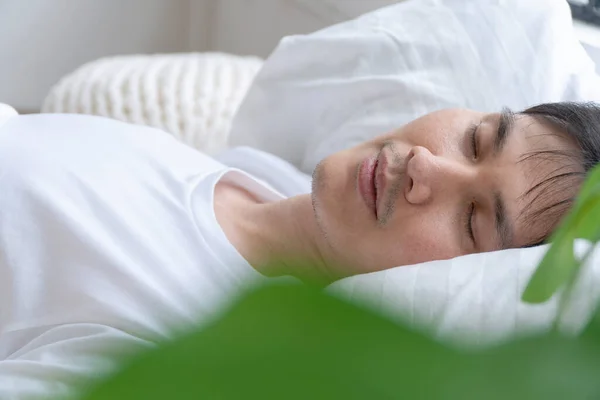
pixel 469 222
pixel 474 147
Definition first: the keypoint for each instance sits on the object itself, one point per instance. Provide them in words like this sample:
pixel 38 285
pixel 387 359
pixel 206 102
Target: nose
pixel 431 176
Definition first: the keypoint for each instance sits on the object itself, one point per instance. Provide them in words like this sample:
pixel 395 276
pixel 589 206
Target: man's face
pixel 447 184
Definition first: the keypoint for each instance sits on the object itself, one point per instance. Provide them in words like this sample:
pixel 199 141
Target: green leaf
pixel 592 330
pixel 591 183
pixel 548 367
pixel 292 342
pixel 553 271
pixel 559 264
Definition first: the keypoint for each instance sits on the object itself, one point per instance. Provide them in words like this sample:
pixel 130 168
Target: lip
pixel 380 180
pixel 367 183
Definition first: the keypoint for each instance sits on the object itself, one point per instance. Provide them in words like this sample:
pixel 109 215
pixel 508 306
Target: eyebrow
pixel 503 226
pixel 501 221
pixel 505 124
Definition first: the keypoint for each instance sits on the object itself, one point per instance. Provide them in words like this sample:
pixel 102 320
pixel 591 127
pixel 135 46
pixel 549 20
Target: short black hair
pixel 553 196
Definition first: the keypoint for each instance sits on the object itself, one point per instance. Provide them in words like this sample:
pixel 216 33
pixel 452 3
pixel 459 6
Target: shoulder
pixel 81 143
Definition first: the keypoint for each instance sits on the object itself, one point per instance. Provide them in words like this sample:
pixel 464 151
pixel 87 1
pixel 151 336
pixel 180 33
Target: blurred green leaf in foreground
pixel 292 342
pixel 560 266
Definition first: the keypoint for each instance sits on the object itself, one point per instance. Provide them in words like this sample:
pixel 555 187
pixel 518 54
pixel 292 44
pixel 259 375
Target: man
pixel 114 236
pixel 451 183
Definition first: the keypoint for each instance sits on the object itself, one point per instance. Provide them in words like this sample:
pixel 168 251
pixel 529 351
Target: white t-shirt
pixel 108 243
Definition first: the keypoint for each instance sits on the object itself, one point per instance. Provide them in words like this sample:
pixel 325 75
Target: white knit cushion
pixel 192 95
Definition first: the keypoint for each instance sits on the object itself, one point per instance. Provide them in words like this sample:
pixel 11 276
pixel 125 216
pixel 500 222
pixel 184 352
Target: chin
pixel 335 193
pixel 336 204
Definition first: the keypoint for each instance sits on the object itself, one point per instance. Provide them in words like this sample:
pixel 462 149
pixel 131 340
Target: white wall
pixel 256 26
pixel 42 40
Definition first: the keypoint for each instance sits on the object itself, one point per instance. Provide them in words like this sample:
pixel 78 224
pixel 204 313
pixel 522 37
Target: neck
pixel 279 238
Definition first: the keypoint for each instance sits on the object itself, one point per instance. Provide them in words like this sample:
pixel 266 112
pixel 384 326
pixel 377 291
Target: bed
pixel 390 66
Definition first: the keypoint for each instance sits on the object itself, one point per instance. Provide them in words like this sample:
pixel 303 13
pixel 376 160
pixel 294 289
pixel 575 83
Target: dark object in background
pixel 586 11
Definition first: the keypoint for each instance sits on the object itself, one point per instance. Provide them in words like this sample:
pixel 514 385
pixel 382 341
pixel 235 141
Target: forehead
pixel 532 165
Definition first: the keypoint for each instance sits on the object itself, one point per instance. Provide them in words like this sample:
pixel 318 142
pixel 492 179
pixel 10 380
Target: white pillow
pixel 320 93
pixel 474 300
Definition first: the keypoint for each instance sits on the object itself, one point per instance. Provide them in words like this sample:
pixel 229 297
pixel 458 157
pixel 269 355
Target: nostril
pixel 410 183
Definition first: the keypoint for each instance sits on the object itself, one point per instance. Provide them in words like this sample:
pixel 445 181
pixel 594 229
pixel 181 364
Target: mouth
pixel 369 175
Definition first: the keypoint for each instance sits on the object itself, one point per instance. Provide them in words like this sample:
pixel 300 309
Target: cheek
pixel 421 239
pixel 378 249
